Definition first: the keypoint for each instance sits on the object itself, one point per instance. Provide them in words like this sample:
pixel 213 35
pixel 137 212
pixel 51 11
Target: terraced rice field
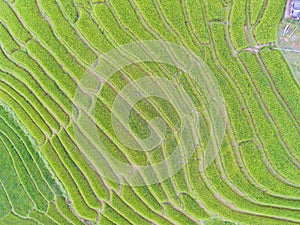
pixel 46 48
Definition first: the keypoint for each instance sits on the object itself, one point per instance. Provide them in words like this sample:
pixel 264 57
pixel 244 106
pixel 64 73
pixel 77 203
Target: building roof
pixel 296 5
pixel 295 9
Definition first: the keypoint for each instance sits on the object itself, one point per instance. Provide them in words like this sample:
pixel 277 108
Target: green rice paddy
pixel 46 46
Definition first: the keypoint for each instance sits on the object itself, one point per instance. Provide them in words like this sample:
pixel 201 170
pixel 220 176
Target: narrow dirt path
pixel 287 9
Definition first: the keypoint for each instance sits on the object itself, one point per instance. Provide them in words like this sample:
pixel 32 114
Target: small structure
pixel 295 9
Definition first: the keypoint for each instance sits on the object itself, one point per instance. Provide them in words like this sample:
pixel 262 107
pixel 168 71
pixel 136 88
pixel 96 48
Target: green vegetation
pixel 26 182
pixel 256 10
pixel 266 29
pixel 238 24
pixel 47 46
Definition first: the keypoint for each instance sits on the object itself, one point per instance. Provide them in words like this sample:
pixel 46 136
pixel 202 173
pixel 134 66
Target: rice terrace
pixel 150 112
